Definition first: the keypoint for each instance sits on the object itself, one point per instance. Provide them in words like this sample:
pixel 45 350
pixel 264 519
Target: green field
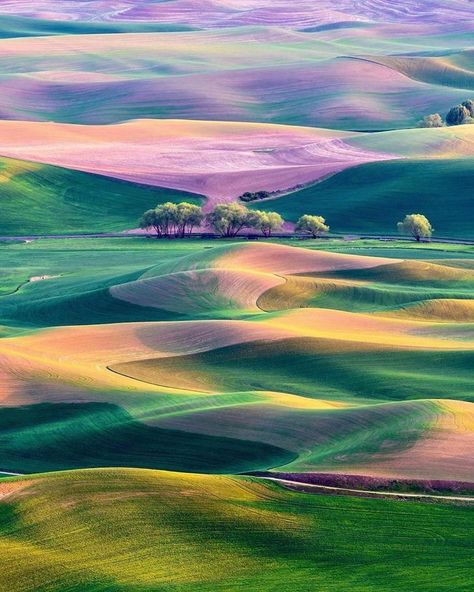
pixel 42 199
pixel 144 531
pixel 372 198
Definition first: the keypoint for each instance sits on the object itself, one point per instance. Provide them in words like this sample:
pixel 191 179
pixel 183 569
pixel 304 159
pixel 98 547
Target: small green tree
pixel 266 222
pixel 457 115
pixel 228 219
pixel 417 225
pixel 314 225
pixel 433 120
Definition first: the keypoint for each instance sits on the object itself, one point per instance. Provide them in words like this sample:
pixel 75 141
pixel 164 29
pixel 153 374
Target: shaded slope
pixel 372 197
pixel 48 437
pixel 429 438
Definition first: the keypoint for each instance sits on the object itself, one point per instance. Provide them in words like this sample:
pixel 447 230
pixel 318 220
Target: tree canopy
pixel 266 222
pixel 457 115
pixel 228 219
pixel 433 120
pixel 314 225
pixel 417 225
pixel 170 219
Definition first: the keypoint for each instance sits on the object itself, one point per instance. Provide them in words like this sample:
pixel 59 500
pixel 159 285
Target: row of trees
pixel 227 220
pixel 457 115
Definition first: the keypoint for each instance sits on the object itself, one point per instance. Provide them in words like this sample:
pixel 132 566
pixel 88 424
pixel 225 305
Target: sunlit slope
pixel 455 70
pixel 323 369
pixel 217 158
pixel 385 289
pixel 44 199
pixel 124 530
pixel 444 142
pixel 218 282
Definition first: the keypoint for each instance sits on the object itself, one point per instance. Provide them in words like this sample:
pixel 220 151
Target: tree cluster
pixel 457 115
pixel 170 219
pixel 228 220
pixel 253 196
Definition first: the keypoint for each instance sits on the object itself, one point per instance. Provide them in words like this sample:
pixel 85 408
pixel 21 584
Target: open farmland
pixel 236 296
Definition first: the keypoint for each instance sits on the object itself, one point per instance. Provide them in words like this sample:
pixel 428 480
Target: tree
pixel 228 219
pixel 266 222
pixel 187 217
pixel 249 196
pixel 150 220
pixel 315 225
pixel 457 115
pixel 417 225
pixel 433 120
pixel 172 219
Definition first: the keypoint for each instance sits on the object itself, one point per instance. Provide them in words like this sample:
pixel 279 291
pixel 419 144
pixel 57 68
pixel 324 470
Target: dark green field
pixel 372 198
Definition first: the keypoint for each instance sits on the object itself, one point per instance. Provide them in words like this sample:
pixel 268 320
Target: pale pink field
pixel 445 451
pixel 218 159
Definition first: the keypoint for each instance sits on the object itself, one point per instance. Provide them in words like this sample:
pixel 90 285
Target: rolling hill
pixel 43 199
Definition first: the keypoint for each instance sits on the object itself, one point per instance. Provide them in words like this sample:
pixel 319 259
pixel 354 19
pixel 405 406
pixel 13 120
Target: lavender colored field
pixel 344 79
pixel 207 13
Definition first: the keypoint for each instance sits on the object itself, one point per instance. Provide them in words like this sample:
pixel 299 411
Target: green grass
pixel 373 197
pixel 316 368
pixel 48 437
pixel 44 199
pixel 144 531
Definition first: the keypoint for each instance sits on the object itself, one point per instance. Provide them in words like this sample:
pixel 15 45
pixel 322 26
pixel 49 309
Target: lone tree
pixel 315 225
pixel 433 120
pixel 417 225
pixel 266 222
pixel 458 115
pixel 228 219
pixel 172 219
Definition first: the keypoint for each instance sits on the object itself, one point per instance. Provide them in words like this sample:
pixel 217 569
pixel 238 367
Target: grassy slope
pixel 144 531
pixel 371 198
pixel 44 199
pixel 50 437
pixel 316 368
